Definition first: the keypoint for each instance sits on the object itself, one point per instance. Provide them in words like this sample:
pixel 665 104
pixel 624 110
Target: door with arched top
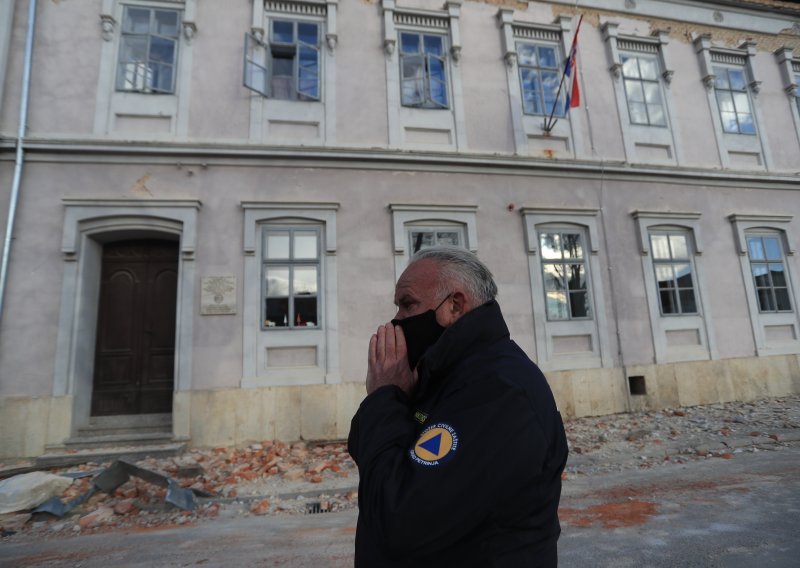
pixel 135 347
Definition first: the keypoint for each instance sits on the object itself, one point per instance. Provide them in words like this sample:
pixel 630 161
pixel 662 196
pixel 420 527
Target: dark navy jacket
pixel 467 471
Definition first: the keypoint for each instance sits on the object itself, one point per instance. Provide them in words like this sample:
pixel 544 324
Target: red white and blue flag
pixel 571 71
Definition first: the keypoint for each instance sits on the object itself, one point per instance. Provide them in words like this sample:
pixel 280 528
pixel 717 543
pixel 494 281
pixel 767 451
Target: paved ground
pixel 717 512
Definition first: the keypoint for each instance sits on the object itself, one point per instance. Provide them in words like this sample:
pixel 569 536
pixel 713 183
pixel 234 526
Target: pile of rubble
pixel 606 444
pixel 272 478
pixel 266 478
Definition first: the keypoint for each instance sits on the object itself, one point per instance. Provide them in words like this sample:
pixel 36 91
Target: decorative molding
pixel 510 58
pixel 543 32
pixel 709 81
pixel 388 45
pixel 296 7
pixel 743 222
pixel 455 52
pixel 677 218
pixel 421 19
pixel 332 40
pixel 189 31
pixel 668 75
pixel 107 24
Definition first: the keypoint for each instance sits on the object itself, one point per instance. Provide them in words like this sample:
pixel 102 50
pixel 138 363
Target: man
pixel 459 444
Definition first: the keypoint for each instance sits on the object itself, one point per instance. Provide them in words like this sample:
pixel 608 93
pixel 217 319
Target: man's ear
pixel 460 304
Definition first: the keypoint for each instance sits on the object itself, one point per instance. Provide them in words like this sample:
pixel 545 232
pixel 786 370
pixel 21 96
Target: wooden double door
pixel 135 348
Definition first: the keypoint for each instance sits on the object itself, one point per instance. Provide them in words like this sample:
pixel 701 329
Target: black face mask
pixel 421 331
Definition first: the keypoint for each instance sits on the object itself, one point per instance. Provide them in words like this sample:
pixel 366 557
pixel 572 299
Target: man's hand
pixel 388 361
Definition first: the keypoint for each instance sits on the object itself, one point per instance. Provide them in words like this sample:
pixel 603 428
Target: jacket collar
pixel 474 330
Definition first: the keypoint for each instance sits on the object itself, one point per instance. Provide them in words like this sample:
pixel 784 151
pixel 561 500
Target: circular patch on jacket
pixel 436 445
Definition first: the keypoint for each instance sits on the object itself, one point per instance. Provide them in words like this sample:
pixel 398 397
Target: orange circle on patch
pixel 434 444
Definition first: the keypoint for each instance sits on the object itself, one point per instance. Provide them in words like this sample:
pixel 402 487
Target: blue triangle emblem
pixel 433 445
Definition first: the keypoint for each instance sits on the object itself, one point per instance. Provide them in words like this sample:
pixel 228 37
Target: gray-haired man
pixel 459 444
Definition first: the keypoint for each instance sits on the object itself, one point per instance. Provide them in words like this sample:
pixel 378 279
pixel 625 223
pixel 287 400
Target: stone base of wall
pixel 229 417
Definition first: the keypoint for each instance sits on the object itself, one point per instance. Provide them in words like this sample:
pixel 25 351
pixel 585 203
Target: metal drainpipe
pixel 20 159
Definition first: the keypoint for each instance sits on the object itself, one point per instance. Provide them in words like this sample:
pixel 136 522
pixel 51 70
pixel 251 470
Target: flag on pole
pixel 571 71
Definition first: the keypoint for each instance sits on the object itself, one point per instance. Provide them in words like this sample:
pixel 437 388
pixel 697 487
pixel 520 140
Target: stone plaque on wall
pixel 218 295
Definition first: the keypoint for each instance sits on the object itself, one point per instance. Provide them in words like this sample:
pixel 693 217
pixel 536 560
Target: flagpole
pixel 550 123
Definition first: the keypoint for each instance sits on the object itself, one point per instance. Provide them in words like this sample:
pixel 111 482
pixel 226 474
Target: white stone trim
pixel 565 137
pixel 86 221
pixel 405 214
pixel 111 104
pixel 790 68
pixel 702 323
pixel 780 225
pixel 586 221
pixel 709 55
pixel 255 371
pixel 402 120
pixel 269 116
pixel 636 136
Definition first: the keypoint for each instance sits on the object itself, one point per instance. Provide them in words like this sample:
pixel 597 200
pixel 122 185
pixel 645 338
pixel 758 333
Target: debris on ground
pixel 30 490
pixel 276 478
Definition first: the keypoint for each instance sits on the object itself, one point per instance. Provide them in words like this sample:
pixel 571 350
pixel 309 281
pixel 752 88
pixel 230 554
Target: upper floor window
pixel 674 274
pixel 769 273
pixel 148 50
pixel 565 280
pixel 730 86
pixel 423 70
pixel 288 66
pixel 643 90
pixel 291 276
pixel 294 49
pixel 539 77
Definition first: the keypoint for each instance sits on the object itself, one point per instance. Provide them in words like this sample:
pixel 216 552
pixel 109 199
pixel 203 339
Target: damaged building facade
pixel 208 203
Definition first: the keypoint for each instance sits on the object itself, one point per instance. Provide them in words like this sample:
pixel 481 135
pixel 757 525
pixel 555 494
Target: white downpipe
pixel 20 159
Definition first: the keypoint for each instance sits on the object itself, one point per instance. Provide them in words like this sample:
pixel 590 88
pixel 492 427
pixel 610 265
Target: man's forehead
pixel 417 279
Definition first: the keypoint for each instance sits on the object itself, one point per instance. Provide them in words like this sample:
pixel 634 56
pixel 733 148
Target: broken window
pixel 288 66
pixel 148 50
pixel 423 73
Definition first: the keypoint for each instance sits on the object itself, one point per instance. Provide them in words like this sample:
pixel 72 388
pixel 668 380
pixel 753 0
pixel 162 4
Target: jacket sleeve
pixel 411 507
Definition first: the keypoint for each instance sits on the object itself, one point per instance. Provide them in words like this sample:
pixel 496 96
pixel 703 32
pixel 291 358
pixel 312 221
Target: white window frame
pixel 735 150
pixel 781 225
pixel 547 332
pixel 564 140
pixel 256 368
pixel 292 122
pixel 406 217
pixel 158 115
pixel 644 143
pixel 291 263
pixel 149 36
pixel 424 128
pixel 665 325
pixel 790 73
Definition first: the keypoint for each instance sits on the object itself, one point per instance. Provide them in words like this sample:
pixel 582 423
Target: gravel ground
pixel 275 478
